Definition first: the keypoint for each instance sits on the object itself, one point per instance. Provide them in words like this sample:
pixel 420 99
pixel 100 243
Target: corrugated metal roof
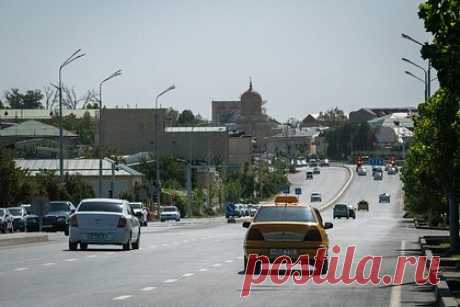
pixel 195 129
pixel 43 113
pixel 83 167
pixel 33 128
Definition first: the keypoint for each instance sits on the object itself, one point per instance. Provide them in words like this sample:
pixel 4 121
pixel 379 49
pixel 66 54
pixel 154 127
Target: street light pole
pixel 69 60
pixel 157 158
pixel 101 154
pixel 428 70
pixel 427 81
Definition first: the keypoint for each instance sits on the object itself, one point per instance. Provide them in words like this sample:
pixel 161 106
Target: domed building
pixel 251 102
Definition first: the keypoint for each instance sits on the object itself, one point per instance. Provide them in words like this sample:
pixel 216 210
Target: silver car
pixel 104 221
pixel 169 213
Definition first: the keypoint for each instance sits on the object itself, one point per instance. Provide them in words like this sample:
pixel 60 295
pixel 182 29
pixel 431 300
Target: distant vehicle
pixel 104 221
pixel 351 211
pixel 316 171
pixel 253 209
pixel 378 176
pixel 57 217
pixel 169 213
pixel 6 221
pixel 19 218
pixel 342 210
pixel 313 163
pixel 140 212
pixel 362 171
pixel 363 205
pixel 315 197
pixel 376 169
pixel 324 163
pixel 232 210
pixel 244 210
pixel 384 198
pixel 392 171
pixel 309 175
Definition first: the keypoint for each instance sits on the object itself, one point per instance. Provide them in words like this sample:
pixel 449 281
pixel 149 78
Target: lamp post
pixel 73 57
pixel 427 81
pixel 157 158
pixel 428 70
pixel 101 154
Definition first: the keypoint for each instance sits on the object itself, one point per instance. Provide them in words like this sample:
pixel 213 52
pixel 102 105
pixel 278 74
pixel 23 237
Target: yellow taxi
pixel 285 228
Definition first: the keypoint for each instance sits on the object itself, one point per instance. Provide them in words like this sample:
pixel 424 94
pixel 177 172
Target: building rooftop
pixel 83 167
pixel 195 129
pixel 33 128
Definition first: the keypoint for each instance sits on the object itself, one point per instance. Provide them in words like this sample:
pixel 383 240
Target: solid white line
pixel 122 297
pixel 148 289
pixel 188 274
pixel 168 281
pixel 395 296
pixel 49 264
pixel 203 270
pixel 20 269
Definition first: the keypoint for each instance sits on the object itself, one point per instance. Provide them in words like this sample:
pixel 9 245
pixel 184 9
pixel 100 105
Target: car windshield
pixel 284 213
pixel 53 207
pixel 340 207
pixel 100 206
pixel 15 211
pixel 135 205
pixel 169 209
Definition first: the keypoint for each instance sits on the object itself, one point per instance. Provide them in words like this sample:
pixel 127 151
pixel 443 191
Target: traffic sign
pixel 298 191
pixel 285 189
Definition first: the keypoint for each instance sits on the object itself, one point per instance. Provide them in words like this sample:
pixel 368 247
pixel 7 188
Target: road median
pixel 342 190
pixel 22 238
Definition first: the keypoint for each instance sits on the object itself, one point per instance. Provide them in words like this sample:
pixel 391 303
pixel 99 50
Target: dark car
pixel 309 175
pixel 233 210
pixel 314 197
pixel 378 175
pixel 6 221
pixel 19 218
pixel 363 205
pixel 384 198
pixel 58 216
pixel 32 222
pixel 342 210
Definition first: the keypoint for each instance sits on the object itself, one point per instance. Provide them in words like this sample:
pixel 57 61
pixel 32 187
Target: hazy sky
pixel 304 56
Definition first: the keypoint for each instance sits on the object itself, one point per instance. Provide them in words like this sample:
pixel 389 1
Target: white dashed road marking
pixel 92 256
pixel 148 289
pixel 20 269
pixel 49 264
pixel 71 259
pixel 188 274
pixel 203 270
pixel 228 261
pixel 168 281
pixel 122 297
pixel 217 265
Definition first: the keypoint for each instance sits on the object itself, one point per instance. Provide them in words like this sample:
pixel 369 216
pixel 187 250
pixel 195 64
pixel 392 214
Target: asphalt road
pixel 199 262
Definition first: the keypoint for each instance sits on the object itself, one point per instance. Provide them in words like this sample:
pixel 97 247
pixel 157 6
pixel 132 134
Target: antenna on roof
pixel 250 83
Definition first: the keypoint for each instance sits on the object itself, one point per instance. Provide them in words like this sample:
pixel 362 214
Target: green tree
pixel 332 118
pixel 186 118
pixel 32 99
pixel 11 179
pixel 442 113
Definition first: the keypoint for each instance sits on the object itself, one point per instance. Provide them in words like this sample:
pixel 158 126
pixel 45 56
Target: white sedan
pixel 104 221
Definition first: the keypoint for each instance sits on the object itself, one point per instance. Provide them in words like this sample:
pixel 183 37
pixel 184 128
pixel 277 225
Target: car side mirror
pixel 328 225
pixel 246 224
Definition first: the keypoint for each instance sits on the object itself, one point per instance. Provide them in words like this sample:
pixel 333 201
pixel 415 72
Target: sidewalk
pixel 22 238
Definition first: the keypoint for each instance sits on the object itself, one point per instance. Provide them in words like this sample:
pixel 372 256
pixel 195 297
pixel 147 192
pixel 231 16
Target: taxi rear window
pixel 285 214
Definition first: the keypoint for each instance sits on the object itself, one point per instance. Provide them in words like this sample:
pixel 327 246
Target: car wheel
pixel 137 244
pixel 127 246
pixel 73 246
pixel 83 246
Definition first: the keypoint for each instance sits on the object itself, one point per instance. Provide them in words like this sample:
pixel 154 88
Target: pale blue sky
pixel 304 56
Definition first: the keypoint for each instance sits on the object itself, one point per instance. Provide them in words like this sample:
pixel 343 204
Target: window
pixel 284 213
pixel 100 206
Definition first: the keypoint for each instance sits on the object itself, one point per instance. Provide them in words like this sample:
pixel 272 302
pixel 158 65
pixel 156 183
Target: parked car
pixel 19 218
pixel 309 175
pixel 140 212
pixel 384 198
pixel 169 213
pixel 104 221
pixel 363 205
pixel 57 218
pixel 6 220
pixel 343 210
pixel 314 197
pixel 324 163
pixel 316 171
pixel 362 171
pixel 32 222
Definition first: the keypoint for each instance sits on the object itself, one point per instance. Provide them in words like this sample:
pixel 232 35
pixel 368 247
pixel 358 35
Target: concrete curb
pixel 17 239
pixel 342 190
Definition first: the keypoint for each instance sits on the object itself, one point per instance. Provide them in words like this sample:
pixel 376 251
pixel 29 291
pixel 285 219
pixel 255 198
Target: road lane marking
pixel 153 246
pixel 49 264
pixel 169 281
pixel 203 270
pixel 217 265
pixel 20 269
pixel 228 261
pixel 122 297
pixel 70 259
pixel 109 253
pixel 239 257
pixel 92 256
pixel 188 274
pixel 146 289
pixel 395 295
pixel 164 244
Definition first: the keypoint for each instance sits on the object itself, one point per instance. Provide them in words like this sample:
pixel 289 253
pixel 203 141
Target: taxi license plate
pixel 96 236
pixel 283 252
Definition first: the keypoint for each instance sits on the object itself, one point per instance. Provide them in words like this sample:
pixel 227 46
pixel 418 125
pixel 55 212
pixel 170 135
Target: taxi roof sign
pixel 286 199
